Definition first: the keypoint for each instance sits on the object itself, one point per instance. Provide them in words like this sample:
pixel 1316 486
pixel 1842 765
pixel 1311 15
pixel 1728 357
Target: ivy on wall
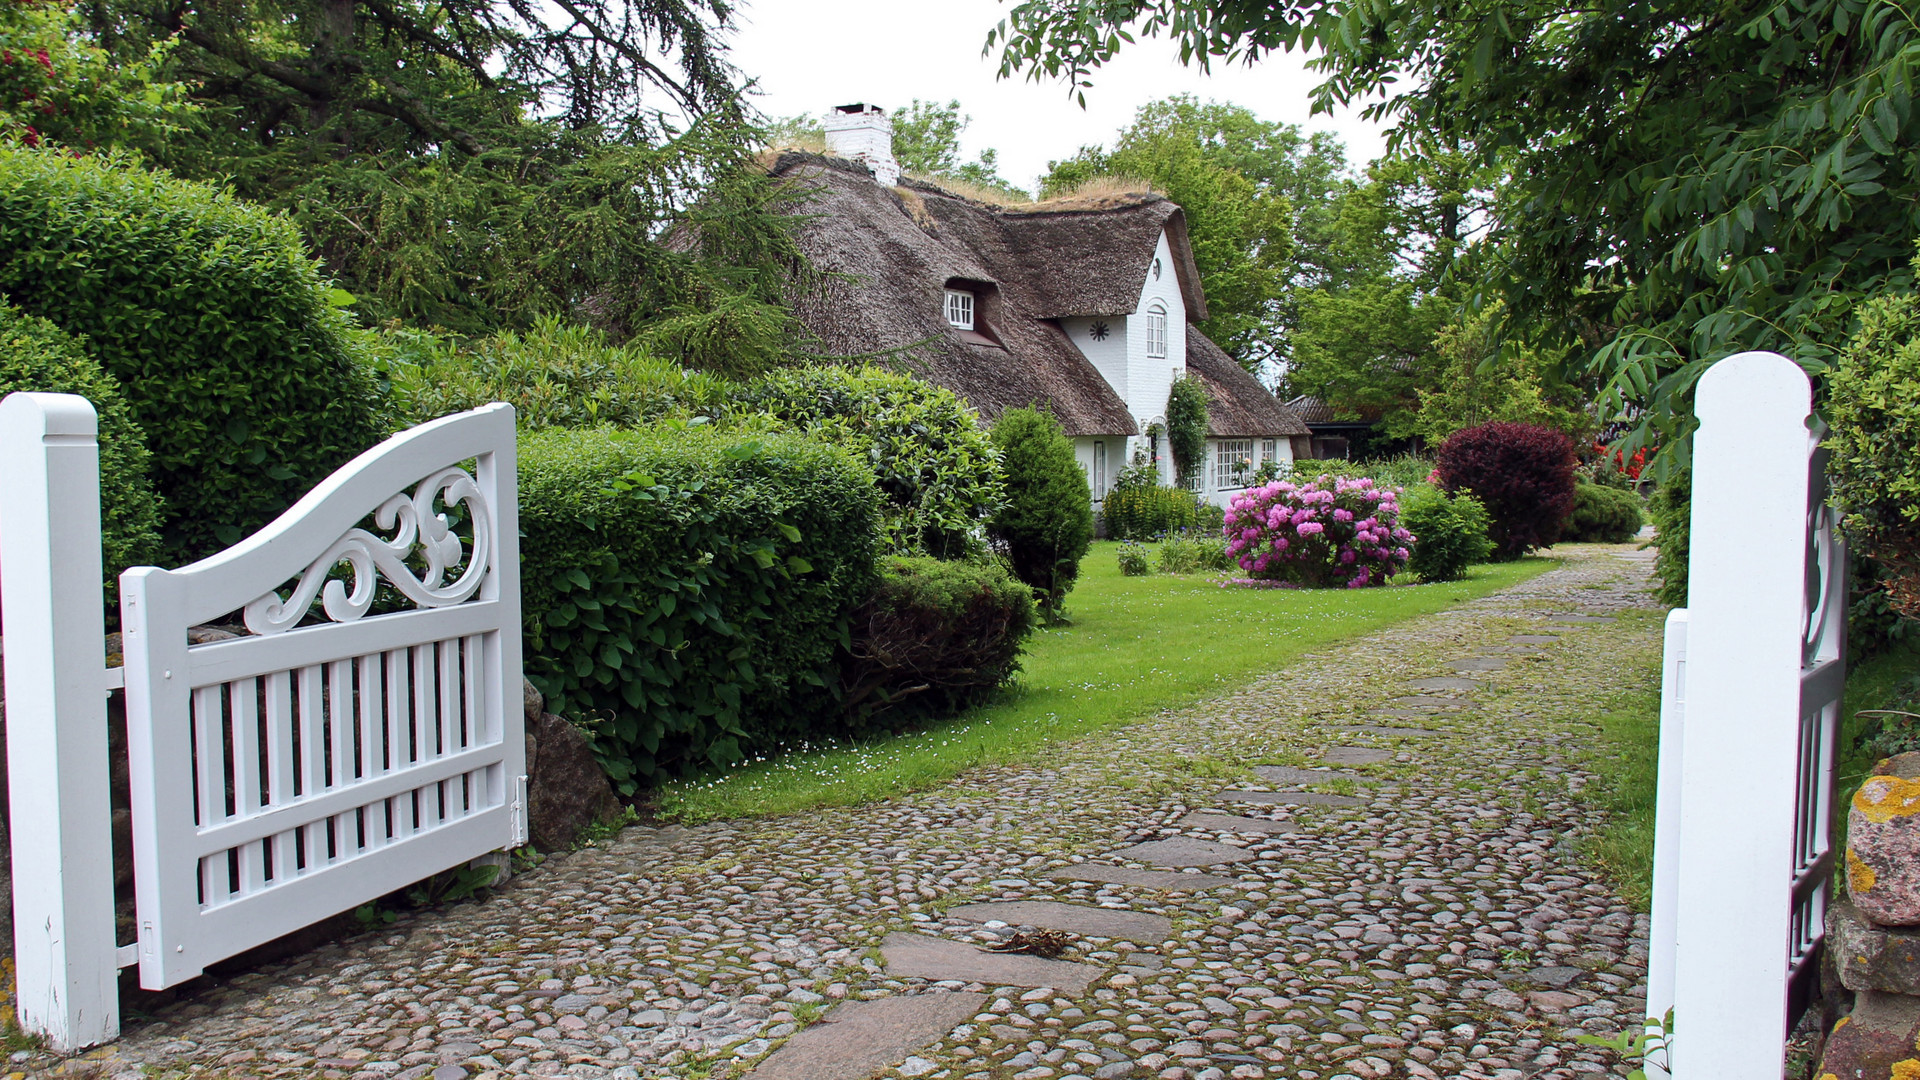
pixel 1186 425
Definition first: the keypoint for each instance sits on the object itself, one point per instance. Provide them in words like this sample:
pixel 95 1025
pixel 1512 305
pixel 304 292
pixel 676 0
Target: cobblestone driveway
pixel 1417 911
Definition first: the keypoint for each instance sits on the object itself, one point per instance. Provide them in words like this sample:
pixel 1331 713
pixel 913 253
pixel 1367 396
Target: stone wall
pixel 1873 935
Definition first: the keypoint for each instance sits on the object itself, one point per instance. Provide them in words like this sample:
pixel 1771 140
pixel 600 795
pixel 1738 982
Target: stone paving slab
pixel 1533 639
pixel 1438 704
pixel 1182 851
pixel 1290 798
pixel 1073 918
pixel 1287 774
pixel 923 957
pixel 1355 755
pixel 1392 732
pixel 859 1038
pixel 1446 682
pixel 1236 823
pixel 1146 879
pixel 1479 663
pixel 1578 620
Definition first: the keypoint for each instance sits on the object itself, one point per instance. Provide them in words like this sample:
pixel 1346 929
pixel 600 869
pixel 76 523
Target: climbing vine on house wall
pixel 1187 425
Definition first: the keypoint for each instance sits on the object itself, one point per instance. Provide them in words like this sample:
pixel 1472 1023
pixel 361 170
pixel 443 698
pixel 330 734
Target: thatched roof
pixel 1237 405
pixel 1317 413
pixel 890 252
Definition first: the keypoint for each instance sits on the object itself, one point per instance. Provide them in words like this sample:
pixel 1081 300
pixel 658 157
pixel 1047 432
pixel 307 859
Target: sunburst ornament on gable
pixel 1099 331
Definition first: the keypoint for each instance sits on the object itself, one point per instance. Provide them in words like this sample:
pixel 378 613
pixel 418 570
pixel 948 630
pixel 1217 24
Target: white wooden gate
pixel 1750 725
pixel 333 754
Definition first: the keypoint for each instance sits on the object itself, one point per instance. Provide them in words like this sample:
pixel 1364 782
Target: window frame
pixel 963 299
pixel 1099 468
pixel 1226 453
pixel 1157 331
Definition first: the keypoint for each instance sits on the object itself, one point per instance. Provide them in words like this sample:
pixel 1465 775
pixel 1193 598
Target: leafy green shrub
pixel 1179 554
pixel 685 590
pixel 1047 523
pixel 936 636
pixel 1142 513
pixel 1522 473
pixel 1187 424
pixel 37 355
pixel 554 375
pixel 1133 560
pixel 1208 519
pixel 1873 405
pixel 1672 511
pixel 1401 471
pixel 1212 553
pixel 938 471
pixel 247 378
pixel 1449 533
pixel 1605 515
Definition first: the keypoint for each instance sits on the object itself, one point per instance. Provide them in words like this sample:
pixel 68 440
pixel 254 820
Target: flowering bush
pixel 1321 533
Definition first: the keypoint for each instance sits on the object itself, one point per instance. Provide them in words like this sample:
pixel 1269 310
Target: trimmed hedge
pixel 1603 515
pixel 1672 511
pixel 937 469
pixel 1047 523
pixel 1449 532
pixel 685 591
pixel 937 636
pixel 37 355
pixel 554 375
pixel 1522 473
pixel 247 378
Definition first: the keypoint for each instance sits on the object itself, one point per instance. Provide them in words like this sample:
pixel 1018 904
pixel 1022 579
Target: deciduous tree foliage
pixel 1688 179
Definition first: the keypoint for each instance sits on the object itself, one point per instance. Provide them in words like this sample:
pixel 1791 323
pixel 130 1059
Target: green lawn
pixel 1135 646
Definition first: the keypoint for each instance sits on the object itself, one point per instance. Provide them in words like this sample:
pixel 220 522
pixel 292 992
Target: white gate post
pixel 1740 757
pixel 50 571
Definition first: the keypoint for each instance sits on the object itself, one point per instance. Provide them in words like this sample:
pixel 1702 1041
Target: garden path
pixel 1393 889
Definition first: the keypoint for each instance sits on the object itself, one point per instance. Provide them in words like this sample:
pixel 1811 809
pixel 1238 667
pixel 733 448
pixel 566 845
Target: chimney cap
pixel 857 108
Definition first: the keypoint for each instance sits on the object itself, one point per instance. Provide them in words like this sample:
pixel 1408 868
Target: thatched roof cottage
pixel 1081 306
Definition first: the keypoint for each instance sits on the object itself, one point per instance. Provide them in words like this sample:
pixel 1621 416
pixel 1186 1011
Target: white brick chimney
pixel 864 133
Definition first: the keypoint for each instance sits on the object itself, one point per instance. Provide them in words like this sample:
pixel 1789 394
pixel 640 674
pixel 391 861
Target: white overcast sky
pixel 810 55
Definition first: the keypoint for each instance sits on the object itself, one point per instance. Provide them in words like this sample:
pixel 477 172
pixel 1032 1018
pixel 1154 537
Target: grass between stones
pixel 1624 762
pixel 1136 645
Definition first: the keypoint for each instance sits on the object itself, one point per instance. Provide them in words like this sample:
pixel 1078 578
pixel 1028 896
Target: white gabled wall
pixel 1149 378
pixel 1108 354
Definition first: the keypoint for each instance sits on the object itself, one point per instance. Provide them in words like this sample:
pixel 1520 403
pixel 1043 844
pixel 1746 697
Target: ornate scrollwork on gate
pixel 369 557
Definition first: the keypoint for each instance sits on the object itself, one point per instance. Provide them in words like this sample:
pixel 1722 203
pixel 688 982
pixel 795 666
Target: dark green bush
pixel 1187 425
pixel 37 355
pixel 1142 513
pixel 1047 523
pixel 1873 405
pixel 1449 532
pixel 1605 515
pixel 554 375
pixel 937 469
pixel 685 591
pixel 247 379
pixel 1672 511
pixel 936 637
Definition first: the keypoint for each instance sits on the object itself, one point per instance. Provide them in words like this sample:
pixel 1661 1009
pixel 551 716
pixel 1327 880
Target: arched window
pixel 1157 330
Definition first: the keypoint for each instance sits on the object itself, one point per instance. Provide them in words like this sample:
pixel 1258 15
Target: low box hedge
pixel 685 591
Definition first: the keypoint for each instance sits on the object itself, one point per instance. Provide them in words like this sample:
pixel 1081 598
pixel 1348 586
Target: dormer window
pixel 1157 331
pixel 960 309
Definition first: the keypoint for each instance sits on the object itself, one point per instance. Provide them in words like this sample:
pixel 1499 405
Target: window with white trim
pixel 1156 331
pixel 960 309
pixel 1270 450
pixel 1232 463
pixel 1099 468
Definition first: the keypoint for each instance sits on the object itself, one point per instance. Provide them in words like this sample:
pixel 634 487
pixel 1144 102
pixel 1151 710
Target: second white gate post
pixel 61 813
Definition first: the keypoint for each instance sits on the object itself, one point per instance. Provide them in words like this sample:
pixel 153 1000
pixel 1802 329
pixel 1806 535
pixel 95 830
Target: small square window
pixel 959 309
